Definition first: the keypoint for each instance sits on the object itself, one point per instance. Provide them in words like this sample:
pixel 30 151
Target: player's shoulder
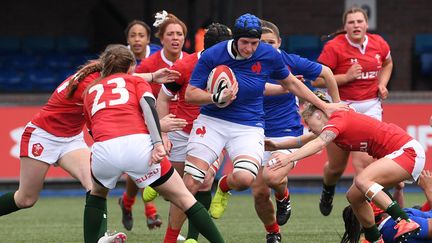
pixel 186 62
pixel 376 39
pixel 154 48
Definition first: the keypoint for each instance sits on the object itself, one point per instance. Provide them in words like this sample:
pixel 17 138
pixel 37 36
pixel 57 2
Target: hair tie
pixel 160 18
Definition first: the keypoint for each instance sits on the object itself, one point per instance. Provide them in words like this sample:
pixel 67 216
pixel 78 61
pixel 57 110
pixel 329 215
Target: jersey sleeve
pixel 280 70
pixel 143 66
pixel 201 71
pixel 336 123
pixel 328 56
pixel 141 86
pixel 385 49
pixel 310 70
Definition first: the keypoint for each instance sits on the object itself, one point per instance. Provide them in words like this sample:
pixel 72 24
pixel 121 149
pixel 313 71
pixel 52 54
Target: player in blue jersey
pixel 282 121
pixel 386 224
pixel 138 39
pixel 239 126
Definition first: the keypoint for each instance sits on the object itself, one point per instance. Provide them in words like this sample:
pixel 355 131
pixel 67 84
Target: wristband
pixel 299 142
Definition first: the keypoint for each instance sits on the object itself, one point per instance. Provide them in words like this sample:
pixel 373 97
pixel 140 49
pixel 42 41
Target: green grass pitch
pixel 55 219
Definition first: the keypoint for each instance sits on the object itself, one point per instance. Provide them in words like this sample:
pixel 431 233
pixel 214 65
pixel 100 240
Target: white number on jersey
pixel 119 89
pixel 62 87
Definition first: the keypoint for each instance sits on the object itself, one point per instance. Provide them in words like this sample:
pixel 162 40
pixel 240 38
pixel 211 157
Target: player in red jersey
pixel 399 158
pixel 138 39
pixel 215 33
pixel 120 111
pixel 172 32
pixel 362 65
pixel 53 137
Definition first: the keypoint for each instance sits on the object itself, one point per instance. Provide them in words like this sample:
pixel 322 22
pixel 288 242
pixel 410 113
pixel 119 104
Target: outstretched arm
pixel 314 146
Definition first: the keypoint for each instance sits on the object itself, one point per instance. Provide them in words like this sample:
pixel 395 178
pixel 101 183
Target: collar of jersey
pixel 230 46
pixel 168 62
pixel 359 46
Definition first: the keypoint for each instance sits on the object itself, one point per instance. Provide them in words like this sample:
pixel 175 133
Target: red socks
pixel 280 197
pixel 128 202
pixel 426 207
pixel 273 228
pixel 223 184
pixel 171 235
pixel 150 209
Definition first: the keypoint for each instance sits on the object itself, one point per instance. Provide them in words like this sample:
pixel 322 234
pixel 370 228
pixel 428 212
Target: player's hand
pixel 354 72
pixel 382 92
pixel 332 107
pixel 165 75
pixel 161 76
pixel 301 78
pixel 430 121
pixel 270 145
pixel 158 153
pixel 170 123
pixel 425 181
pixel 279 161
pixel 167 143
pixel 226 94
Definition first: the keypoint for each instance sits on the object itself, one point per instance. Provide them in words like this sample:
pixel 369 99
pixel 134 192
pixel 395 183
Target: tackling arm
pixel 151 118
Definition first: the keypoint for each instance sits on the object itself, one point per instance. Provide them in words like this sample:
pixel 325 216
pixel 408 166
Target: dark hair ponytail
pixel 352 226
pixel 90 67
pixel 332 35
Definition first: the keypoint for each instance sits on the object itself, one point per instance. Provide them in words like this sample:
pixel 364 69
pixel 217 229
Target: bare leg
pixel 77 164
pixel 263 204
pixel 32 176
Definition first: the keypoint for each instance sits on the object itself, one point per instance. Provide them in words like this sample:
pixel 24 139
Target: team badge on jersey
pixel 37 149
pixel 256 68
pixel 201 131
pixel 378 57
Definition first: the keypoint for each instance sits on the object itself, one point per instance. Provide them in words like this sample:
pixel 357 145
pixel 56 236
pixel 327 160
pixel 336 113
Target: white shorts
pixel 372 107
pixel 411 157
pixel 179 140
pixel 210 135
pixel 268 154
pixel 129 154
pixel 36 143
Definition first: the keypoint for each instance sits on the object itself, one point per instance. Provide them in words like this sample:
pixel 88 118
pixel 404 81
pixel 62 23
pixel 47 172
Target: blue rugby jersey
pixel 282 116
pixel 251 74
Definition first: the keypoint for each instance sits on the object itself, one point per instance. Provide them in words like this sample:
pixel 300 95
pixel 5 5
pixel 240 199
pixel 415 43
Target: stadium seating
pixel 308 46
pixel 40 63
pixel 38 45
pixel 73 44
pixel 426 64
pixel 43 79
pixel 9 45
pixel 423 44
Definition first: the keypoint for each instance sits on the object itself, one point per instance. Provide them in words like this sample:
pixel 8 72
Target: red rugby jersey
pixel 112 107
pixel 358 132
pixel 154 63
pixel 185 110
pixel 64 117
pixel 340 54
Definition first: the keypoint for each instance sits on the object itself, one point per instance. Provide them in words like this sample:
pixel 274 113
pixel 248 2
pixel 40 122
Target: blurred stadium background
pixel 42 42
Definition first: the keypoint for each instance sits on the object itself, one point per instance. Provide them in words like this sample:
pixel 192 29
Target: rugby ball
pixel 220 78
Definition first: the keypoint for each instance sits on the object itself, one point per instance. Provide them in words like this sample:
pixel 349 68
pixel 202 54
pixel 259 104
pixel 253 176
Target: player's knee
pixel 373 190
pixel 26 201
pixel 195 172
pixel 261 194
pixel 333 171
pixel 244 173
